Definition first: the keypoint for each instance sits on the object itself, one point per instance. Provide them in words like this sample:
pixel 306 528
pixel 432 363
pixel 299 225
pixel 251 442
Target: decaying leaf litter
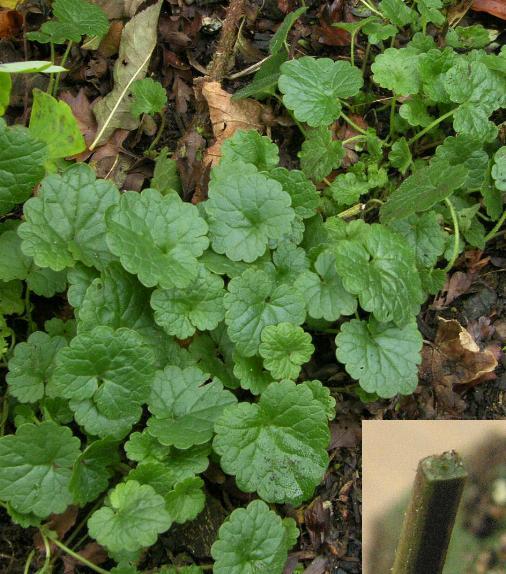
pixel 200 114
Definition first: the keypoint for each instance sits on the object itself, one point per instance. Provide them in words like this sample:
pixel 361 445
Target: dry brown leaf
pixel 81 108
pixel 11 22
pixel 183 94
pixel 111 41
pixel 455 358
pixel 92 552
pixel 495 7
pixel 59 523
pixel 458 284
pixel 345 434
pixel 228 116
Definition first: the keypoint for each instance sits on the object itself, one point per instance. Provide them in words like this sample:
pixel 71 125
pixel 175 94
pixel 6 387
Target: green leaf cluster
pixel 185 334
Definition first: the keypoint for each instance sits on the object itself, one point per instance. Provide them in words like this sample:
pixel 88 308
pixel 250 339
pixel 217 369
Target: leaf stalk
pixel 431 126
pixel 493 232
pixel 456 235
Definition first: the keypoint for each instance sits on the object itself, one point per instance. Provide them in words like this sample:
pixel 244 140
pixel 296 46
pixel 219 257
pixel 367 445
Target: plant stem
pixel 352 48
pixel 392 116
pixel 352 124
pixel 62 63
pixel 51 76
pixel 79 557
pixel 366 57
pixel 28 312
pixel 353 138
pixel 430 516
pixel 493 232
pixel 456 235
pixel 47 559
pixel 431 126
pixel 352 211
pixel 28 562
pixel 371 8
pixel 156 139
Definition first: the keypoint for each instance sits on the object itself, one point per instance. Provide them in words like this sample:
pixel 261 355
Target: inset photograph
pixel 434 497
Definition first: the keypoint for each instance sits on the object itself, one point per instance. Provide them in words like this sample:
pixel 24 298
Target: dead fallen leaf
pixel 228 116
pixel 190 148
pixel 81 108
pixel 92 552
pixel 345 434
pixel 59 523
pixel 118 8
pixel 106 157
pixel 475 260
pixel 138 41
pixel 481 329
pixel 183 94
pixel 318 566
pixel 495 7
pixel 456 285
pixel 317 517
pixel 111 41
pixel 11 23
pixel 455 358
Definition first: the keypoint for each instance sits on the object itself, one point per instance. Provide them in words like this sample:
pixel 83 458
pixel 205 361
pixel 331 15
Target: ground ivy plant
pixel 191 329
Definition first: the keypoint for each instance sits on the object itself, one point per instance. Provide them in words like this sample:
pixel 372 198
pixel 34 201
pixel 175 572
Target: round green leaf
pixel 184 408
pixel 250 372
pixel 65 222
pixel 320 154
pixel 424 234
pixel 290 261
pixel 245 212
pixel 254 300
pixel 91 472
pixel 107 376
pixel 132 519
pixel 384 358
pixel 149 97
pixel 322 394
pixel 312 87
pixel 284 348
pixel 324 292
pixel 157 237
pixel 200 306
pixel 31 366
pixel 305 198
pixel 253 539
pixel 116 299
pixel 187 500
pixel 14 264
pixel 379 266
pixel 499 169
pixel 250 147
pixel 398 70
pixel 22 159
pixel 277 446
pixel 35 469
pixel 143 447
